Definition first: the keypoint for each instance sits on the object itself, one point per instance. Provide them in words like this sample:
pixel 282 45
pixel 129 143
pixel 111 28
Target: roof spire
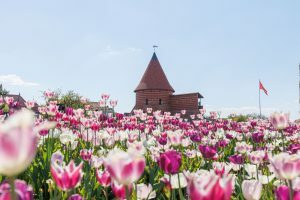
pixel 154 77
pixel 154 46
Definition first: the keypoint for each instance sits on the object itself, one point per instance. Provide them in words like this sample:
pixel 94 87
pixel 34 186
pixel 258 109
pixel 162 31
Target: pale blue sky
pixel 219 48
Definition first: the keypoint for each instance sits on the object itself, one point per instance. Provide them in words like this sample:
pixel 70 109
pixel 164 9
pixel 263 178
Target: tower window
pixel 147 102
pixel 160 101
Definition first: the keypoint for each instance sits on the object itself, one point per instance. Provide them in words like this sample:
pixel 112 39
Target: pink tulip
pixel 30 104
pixel 22 191
pixel 113 103
pixel 279 120
pixel 251 189
pixel 124 167
pixel 18 143
pixel 170 161
pixel 49 94
pixel 65 177
pixel 119 190
pixel 103 178
pixel 213 115
pixel 9 100
pixel 243 147
pixel 105 97
pixel 102 103
pixel 175 138
pixel 256 157
pixel 86 154
pixel 202 111
pixel 286 166
pixel 221 168
pixel 208 186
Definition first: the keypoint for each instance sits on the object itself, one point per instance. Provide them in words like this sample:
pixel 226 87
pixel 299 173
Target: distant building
pixel 20 102
pixel 154 91
pixel 94 106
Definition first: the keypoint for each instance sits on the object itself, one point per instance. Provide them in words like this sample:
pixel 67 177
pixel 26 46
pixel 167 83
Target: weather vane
pixel 154 46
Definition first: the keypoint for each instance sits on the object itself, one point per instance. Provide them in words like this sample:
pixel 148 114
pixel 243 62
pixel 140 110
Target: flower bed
pixel 84 154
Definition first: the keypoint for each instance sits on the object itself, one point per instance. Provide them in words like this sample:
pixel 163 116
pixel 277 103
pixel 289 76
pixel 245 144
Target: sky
pixel 218 48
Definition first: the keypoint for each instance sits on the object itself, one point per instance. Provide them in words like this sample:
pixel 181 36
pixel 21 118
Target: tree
pixel 71 99
pixel 3 91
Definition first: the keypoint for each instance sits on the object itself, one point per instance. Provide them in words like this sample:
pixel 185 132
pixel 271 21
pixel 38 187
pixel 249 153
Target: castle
pixel 154 91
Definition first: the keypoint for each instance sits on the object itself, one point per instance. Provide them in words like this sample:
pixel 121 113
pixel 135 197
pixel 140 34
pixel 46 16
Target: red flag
pixel 261 87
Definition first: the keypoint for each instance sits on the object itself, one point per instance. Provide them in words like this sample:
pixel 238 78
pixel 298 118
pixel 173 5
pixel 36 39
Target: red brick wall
pixel 153 97
pixel 188 102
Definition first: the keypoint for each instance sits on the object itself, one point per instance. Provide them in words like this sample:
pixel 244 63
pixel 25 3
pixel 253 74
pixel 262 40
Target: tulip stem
pixel 291 190
pixel 127 193
pixel 257 172
pixel 180 191
pixel 11 181
pixel 282 138
pixel 105 193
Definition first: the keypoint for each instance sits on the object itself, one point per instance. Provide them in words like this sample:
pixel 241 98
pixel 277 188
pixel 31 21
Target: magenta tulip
pixel 282 193
pixel 170 161
pixel 22 191
pixel 208 151
pixel 75 197
pixel 236 159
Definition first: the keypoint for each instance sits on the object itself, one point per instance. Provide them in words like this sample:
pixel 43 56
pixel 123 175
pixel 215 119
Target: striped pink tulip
pixel 66 177
pixel 119 190
pixel 103 178
pixel 18 143
pixel 124 167
pixel 209 186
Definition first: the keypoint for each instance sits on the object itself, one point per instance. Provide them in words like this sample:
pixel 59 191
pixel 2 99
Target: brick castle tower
pixel 154 91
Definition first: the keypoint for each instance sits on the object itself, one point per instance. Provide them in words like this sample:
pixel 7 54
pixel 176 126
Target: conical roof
pixel 154 77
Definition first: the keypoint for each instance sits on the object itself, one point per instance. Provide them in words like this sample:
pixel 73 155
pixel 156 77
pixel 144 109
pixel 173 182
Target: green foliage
pixel 3 91
pixel 68 99
pixel 71 99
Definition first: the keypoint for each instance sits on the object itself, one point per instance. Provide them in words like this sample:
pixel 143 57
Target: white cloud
pixel 15 80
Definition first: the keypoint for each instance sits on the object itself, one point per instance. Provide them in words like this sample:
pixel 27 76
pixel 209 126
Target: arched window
pixel 147 101
pixel 160 101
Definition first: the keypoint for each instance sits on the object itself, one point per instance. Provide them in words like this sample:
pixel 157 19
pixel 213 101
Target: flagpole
pixel 259 100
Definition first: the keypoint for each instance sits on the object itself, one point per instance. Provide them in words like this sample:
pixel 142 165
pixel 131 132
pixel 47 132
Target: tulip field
pixel 83 154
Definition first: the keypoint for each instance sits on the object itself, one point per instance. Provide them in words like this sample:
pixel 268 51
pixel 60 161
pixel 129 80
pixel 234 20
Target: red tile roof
pixel 154 77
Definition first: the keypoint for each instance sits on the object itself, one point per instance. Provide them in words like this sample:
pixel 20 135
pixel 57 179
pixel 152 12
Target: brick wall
pixel 188 102
pixel 153 97
pixel 169 102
